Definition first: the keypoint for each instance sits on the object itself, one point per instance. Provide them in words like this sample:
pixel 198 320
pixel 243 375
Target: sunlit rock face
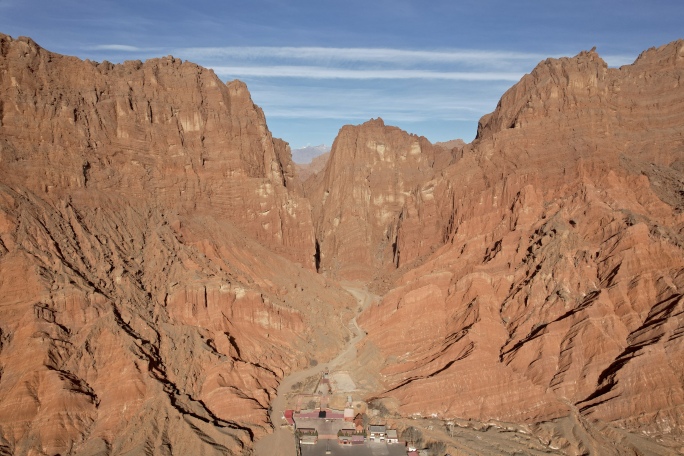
pixel 559 290
pixel 372 172
pixel 165 130
pixel 156 260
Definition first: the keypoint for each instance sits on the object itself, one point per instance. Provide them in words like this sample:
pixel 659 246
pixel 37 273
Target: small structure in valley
pixel 344 436
pixel 377 432
pixel 307 436
pixel 288 414
pixel 350 436
pixel 358 439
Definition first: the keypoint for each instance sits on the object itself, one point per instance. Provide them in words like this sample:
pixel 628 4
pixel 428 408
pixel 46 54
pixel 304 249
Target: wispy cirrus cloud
pixel 356 103
pixel 126 50
pixel 116 48
pixel 368 63
pixel 482 62
pixel 314 72
pixel 386 55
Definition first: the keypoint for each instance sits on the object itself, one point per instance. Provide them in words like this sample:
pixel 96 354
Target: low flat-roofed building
pixel 344 436
pixel 350 437
pixel 391 436
pixel 288 414
pixel 377 432
pixel 344 439
pixel 307 436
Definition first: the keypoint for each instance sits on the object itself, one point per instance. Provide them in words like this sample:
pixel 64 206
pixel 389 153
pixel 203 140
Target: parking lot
pixel 367 449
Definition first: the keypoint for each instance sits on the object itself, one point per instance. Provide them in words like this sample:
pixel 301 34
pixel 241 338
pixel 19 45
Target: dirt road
pixel 281 442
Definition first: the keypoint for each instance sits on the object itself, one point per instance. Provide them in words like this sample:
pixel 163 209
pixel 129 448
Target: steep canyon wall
pixel 156 260
pixel 560 288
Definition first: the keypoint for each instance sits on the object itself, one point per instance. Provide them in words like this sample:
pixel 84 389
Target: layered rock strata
pixel 156 260
pixel 372 172
pixel 559 290
pixel 81 124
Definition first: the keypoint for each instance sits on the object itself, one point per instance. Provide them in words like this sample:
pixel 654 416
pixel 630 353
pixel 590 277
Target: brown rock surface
pixel 214 152
pixel 560 287
pixel 144 306
pixel 372 171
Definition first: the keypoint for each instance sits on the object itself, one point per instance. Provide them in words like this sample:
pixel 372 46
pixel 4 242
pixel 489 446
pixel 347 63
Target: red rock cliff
pixel 373 170
pixel 560 288
pixel 156 258
pixel 164 130
pixel 143 305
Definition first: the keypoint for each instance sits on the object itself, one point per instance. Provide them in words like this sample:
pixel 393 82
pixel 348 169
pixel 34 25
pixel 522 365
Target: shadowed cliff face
pixel 156 259
pixel 560 288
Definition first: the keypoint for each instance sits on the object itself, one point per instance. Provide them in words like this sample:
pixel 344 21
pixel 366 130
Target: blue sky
pixel 430 67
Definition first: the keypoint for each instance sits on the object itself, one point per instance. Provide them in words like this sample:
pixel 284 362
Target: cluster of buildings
pixel 319 421
pixel 340 425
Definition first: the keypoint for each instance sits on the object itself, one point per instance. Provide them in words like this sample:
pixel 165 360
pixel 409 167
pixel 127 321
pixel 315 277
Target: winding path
pixel 281 442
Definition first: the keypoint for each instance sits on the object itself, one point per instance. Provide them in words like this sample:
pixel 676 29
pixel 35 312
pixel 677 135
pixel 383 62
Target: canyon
pixel 163 266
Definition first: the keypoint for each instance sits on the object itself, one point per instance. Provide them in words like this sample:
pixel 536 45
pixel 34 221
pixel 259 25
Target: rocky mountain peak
pixel 376 122
pixel 372 171
pixel 552 83
pixel 671 54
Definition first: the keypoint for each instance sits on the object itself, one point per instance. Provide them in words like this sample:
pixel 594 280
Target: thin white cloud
pixel 413 105
pixel 350 114
pixel 315 72
pixel 352 99
pixel 334 56
pixel 398 56
pixel 116 47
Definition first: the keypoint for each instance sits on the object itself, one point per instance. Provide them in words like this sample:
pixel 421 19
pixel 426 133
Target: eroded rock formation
pixel 373 170
pixel 559 289
pixel 156 260
pixel 213 151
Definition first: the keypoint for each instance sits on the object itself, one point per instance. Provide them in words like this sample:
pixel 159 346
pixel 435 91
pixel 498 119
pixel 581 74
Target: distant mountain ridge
pixel 316 166
pixel 304 155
